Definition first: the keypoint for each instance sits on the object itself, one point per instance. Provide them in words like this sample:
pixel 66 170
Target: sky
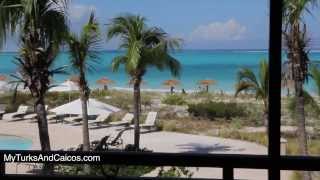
pixel 202 24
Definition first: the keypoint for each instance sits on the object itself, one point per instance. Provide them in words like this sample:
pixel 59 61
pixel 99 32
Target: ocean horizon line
pixel 195 49
pixel 179 50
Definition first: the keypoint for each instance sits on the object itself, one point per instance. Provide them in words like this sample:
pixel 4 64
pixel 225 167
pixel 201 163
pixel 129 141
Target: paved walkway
pixel 63 136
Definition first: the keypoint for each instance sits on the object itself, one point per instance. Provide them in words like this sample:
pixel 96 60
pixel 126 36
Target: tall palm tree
pixel 248 81
pixel 42 25
pixel 145 47
pixel 296 42
pixel 83 52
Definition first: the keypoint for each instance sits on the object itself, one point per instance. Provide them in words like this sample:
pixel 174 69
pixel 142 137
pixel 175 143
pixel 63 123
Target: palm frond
pixel 117 61
pixel 245 86
pixel 247 81
pixel 145 47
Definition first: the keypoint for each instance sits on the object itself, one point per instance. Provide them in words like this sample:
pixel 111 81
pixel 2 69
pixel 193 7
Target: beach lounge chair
pixel 22 110
pixel 51 116
pixel 33 115
pixel 150 121
pixel 111 141
pixel 72 119
pixel 126 120
pixel 100 119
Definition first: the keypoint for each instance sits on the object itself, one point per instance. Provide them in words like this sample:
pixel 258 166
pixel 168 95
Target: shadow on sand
pixel 201 148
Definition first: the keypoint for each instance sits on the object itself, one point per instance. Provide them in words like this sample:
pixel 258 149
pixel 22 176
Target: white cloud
pixel 77 11
pixel 229 30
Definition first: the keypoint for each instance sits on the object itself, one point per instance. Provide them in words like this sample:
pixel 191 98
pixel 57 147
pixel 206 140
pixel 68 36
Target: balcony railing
pixel 272 162
pixel 228 162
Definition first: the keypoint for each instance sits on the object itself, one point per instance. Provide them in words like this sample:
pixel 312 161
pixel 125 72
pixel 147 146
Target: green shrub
pixel 212 110
pixel 312 109
pixel 175 172
pixel 11 104
pixel 174 99
pixel 108 170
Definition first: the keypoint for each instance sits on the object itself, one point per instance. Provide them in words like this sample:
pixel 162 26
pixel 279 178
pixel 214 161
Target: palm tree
pixel 145 47
pixel 42 26
pixel 296 42
pixel 172 83
pixel 206 83
pixel 248 81
pixel 83 52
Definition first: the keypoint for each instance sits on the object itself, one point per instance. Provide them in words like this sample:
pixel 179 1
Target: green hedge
pixel 174 99
pixel 212 110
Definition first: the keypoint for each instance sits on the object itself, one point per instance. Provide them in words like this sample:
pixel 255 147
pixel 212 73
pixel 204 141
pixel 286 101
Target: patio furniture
pixel 72 119
pixel 33 115
pixel 150 121
pixel 22 110
pixel 126 120
pixel 100 119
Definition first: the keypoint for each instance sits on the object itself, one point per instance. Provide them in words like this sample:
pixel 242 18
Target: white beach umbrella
pixel 94 108
pixel 65 87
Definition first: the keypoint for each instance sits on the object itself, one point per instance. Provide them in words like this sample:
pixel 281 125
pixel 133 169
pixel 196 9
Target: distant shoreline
pixel 216 50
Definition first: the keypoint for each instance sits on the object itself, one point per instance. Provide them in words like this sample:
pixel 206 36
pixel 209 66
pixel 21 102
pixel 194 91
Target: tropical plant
pixel 212 110
pixel 172 83
pixel 248 81
pixel 145 47
pixel 174 99
pixel 83 52
pixel 41 26
pixel 310 104
pixel 315 74
pixel 297 54
pixel 206 83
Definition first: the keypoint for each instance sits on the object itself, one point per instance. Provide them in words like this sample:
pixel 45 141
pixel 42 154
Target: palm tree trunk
pixel 85 126
pixel 136 99
pixel 84 96
pixel 299 106
pixel 302 134
pixel 43 131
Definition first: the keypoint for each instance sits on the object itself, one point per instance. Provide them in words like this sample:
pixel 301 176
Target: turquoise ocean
pixel 220 65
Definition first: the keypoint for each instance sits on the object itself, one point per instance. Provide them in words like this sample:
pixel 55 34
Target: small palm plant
pixel 84 52
pixel 145 47
pixel 248 81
